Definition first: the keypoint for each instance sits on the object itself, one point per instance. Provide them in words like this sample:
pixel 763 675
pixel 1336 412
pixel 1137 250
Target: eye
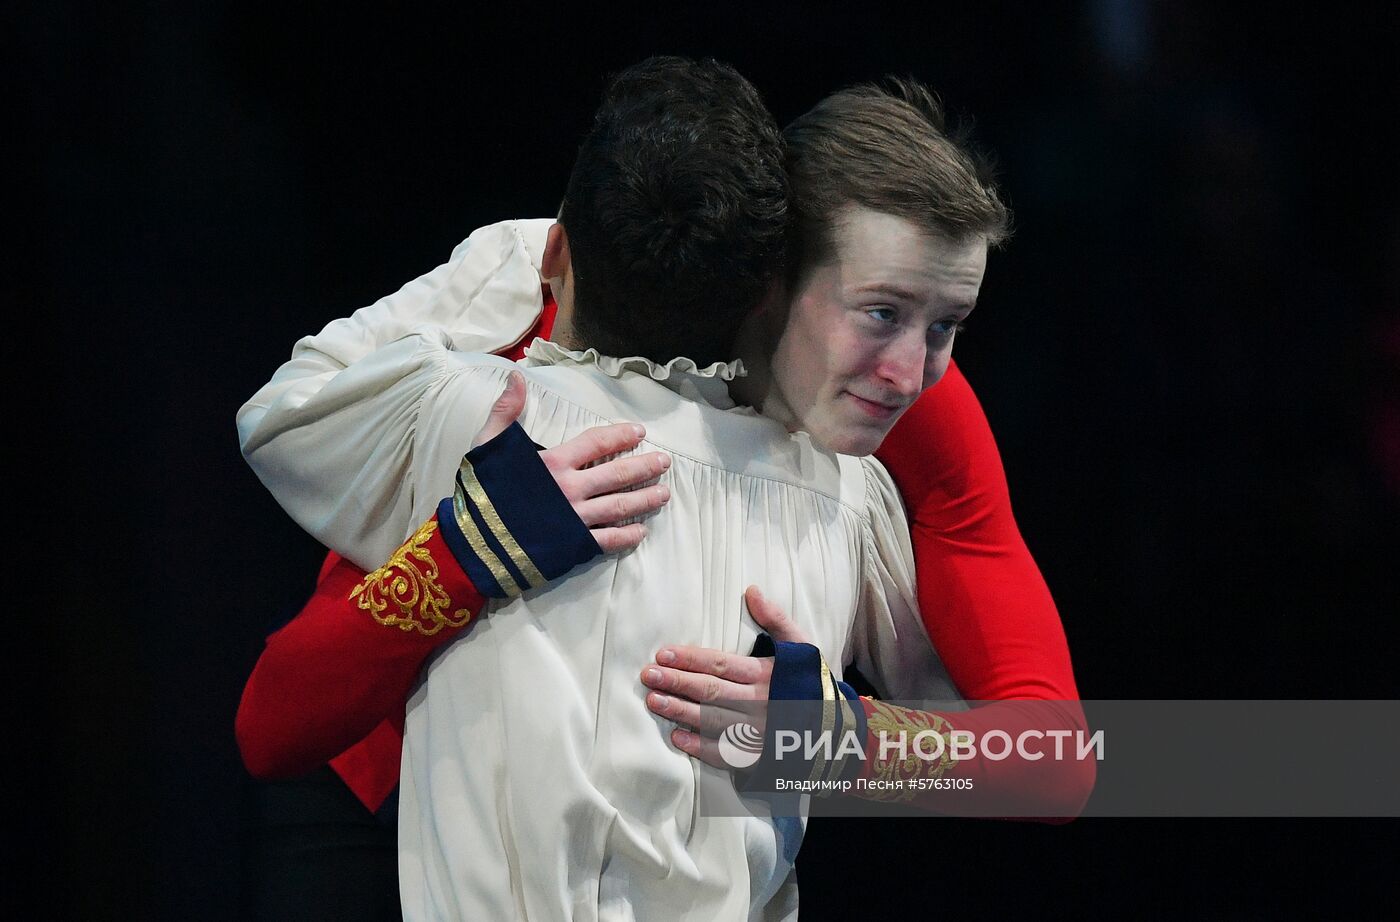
pixel 882 313
pixel 945 328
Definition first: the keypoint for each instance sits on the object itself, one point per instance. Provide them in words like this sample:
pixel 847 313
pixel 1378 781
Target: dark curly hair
pixel 676 211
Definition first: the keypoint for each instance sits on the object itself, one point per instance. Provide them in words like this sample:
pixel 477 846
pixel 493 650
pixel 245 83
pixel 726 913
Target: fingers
pixel 700 688
pixel 609 493
pixel 568 463
pixel 624 538
pixel 772 618
pixel 614 476
pixel 598 442
pixel 615 507
pixel 733 667
pixel 701 747
pixel 505 410
pixel 687 682
pixel 706 720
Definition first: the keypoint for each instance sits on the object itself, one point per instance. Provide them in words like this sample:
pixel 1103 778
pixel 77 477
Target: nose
pixel 908 366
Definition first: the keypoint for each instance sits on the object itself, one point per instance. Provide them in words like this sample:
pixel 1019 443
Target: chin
pixel 845 434
pixel 862 447
pixel 857 443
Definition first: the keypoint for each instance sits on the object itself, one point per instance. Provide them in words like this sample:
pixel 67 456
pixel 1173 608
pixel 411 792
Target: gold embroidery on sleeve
pixel 405 593
pixel 888 722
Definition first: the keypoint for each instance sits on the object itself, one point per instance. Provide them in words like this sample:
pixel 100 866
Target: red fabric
pixel 984 603
pixel 983 600
pixel 370 768
pixel 334 661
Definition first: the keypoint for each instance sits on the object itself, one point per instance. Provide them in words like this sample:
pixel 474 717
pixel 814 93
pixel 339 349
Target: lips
pixel 876 409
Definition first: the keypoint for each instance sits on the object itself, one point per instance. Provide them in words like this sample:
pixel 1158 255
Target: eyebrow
pixel 890 288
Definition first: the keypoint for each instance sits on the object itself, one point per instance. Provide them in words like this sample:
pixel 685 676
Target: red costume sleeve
pixel 983 600
pixel 347 661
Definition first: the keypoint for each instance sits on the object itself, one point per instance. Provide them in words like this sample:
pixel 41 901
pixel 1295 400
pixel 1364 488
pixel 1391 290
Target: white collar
pixel 682 375
pixel 545 352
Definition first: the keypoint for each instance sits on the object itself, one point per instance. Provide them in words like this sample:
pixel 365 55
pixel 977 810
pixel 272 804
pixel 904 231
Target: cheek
pixel 809 356
pixel 936 367
pixel 857 358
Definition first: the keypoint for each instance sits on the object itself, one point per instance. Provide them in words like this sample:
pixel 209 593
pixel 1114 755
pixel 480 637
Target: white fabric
pixel 535 782
pixel 484 299
pixel 548 351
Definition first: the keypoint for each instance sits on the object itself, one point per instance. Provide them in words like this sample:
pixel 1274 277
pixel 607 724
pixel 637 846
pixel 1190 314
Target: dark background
pixel 1189 352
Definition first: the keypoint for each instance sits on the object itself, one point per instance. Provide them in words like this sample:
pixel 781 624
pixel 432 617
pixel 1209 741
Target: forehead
pixel 875 250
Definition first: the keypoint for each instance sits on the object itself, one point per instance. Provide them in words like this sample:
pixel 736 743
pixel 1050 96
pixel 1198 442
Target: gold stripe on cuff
pixel 477 492
pixel 478 543
pixel 828 721
pixel 848 724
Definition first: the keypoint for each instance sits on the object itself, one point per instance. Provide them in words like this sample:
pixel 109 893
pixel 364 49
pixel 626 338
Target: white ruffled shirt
pixel 536 784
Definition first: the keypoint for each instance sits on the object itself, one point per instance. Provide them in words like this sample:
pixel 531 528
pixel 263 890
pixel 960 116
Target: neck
pixel 757 387
pixel 563 334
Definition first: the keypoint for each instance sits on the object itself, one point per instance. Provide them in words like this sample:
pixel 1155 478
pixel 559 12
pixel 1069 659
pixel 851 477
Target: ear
pixel 556 261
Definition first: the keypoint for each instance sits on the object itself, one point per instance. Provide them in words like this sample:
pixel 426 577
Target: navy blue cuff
pixel 814 740
pixel 508 524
